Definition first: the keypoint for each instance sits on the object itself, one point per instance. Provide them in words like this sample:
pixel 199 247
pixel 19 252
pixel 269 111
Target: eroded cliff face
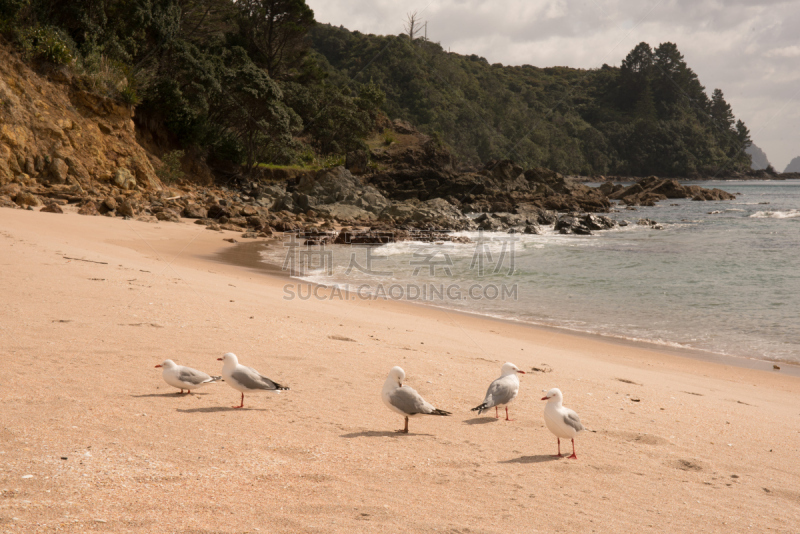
pixel 53 133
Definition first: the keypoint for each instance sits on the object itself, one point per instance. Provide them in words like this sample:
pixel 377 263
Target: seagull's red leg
pixel 507 419
pixel 559 449
pixel 242 404
pixel 181 393
pixel 495 413
pixel 189 391
pixel 405 430
pixel 573 451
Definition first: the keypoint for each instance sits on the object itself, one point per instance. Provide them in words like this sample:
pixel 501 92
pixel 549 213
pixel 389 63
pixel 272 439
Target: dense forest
pixel 248 82
pixel 650 116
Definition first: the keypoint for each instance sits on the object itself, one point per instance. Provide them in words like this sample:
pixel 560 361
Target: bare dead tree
pixel 412 25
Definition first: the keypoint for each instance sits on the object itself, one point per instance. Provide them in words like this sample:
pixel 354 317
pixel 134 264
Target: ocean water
pixel 722 277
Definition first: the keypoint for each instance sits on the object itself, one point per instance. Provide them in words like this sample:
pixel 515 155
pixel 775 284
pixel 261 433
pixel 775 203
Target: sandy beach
pixel 93 440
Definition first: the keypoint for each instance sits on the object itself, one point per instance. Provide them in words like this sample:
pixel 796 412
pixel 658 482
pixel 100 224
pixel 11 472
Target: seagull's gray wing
pixel 408 401
pixel 572 419
pixel 193 376
pixel 500 392
pixel 251 379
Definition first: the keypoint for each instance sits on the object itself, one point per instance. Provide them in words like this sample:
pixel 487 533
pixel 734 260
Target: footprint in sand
pixel 637 437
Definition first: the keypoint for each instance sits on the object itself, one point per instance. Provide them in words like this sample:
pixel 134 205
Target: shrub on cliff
pixel 46 43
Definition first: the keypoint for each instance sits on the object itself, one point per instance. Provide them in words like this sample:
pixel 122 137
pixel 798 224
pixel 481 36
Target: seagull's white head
pixel 397 374
pixel 229 358
pixel 554 395
pixel 510 369
pixel 167 364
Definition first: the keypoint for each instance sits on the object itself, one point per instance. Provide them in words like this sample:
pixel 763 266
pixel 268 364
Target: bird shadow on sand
pixel 213 409
pixel 538 459
pixel 174 395
pixel 379 434
pixel 480 421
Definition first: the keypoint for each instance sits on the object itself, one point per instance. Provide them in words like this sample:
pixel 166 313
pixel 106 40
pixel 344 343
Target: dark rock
pixel 570 224
pixel 511 219
pixel 194 211
pixel 403 127
pixel 595 222
pixel 125 209
pixel 285 226
pixel 168 215
pixel 58 171
pixel 217 211
pixel 364 238
pixel 648 191
pixel 26 199
pixel 533 229
pixel 357 162
pixel 90 208
pixel 6 202
pixel 581 230
pixel 52 208
pixel 256 223
pixel 609 188
pixel 490 223
pixel 124 179
pixel 110 204
pixel 249 211
pixel 286 202
pixel 10 190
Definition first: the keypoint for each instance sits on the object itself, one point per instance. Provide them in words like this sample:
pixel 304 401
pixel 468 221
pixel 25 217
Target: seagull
pixel 562 422
pixel 243 378
pixel 405 400
pixel 502 391
pixel 186 378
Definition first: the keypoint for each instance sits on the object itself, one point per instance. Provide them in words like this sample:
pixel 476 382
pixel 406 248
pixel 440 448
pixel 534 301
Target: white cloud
pixel 786 51
pixel 745 47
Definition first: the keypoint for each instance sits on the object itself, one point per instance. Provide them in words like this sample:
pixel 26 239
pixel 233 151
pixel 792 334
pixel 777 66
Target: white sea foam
pixel 791 214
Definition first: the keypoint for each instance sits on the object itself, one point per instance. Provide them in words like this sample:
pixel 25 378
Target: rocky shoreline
pixel 334 206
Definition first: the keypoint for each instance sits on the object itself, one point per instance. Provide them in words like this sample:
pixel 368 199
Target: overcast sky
pixel 749 49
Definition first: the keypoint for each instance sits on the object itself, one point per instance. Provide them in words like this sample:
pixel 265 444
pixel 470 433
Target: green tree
pixel 743 135
pixel 273 32
pixel 721 112
pixel 674 80
pixel 250 110
pixel 635 74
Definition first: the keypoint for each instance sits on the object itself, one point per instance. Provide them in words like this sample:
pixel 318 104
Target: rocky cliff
pixel 54 134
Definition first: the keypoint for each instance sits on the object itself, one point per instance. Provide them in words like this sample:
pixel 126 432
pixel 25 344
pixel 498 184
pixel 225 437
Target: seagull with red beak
pixel 246 379
pixel 502 391
pixel 182 377
pixel 562 422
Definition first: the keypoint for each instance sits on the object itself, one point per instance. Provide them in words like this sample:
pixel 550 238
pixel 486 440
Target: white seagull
pixel 245 379
pixel 562 422
pixel 181 377
pixel 405 400
pixel 502 391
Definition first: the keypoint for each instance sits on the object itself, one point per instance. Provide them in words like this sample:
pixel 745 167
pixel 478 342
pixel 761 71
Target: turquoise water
pixel 727 282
